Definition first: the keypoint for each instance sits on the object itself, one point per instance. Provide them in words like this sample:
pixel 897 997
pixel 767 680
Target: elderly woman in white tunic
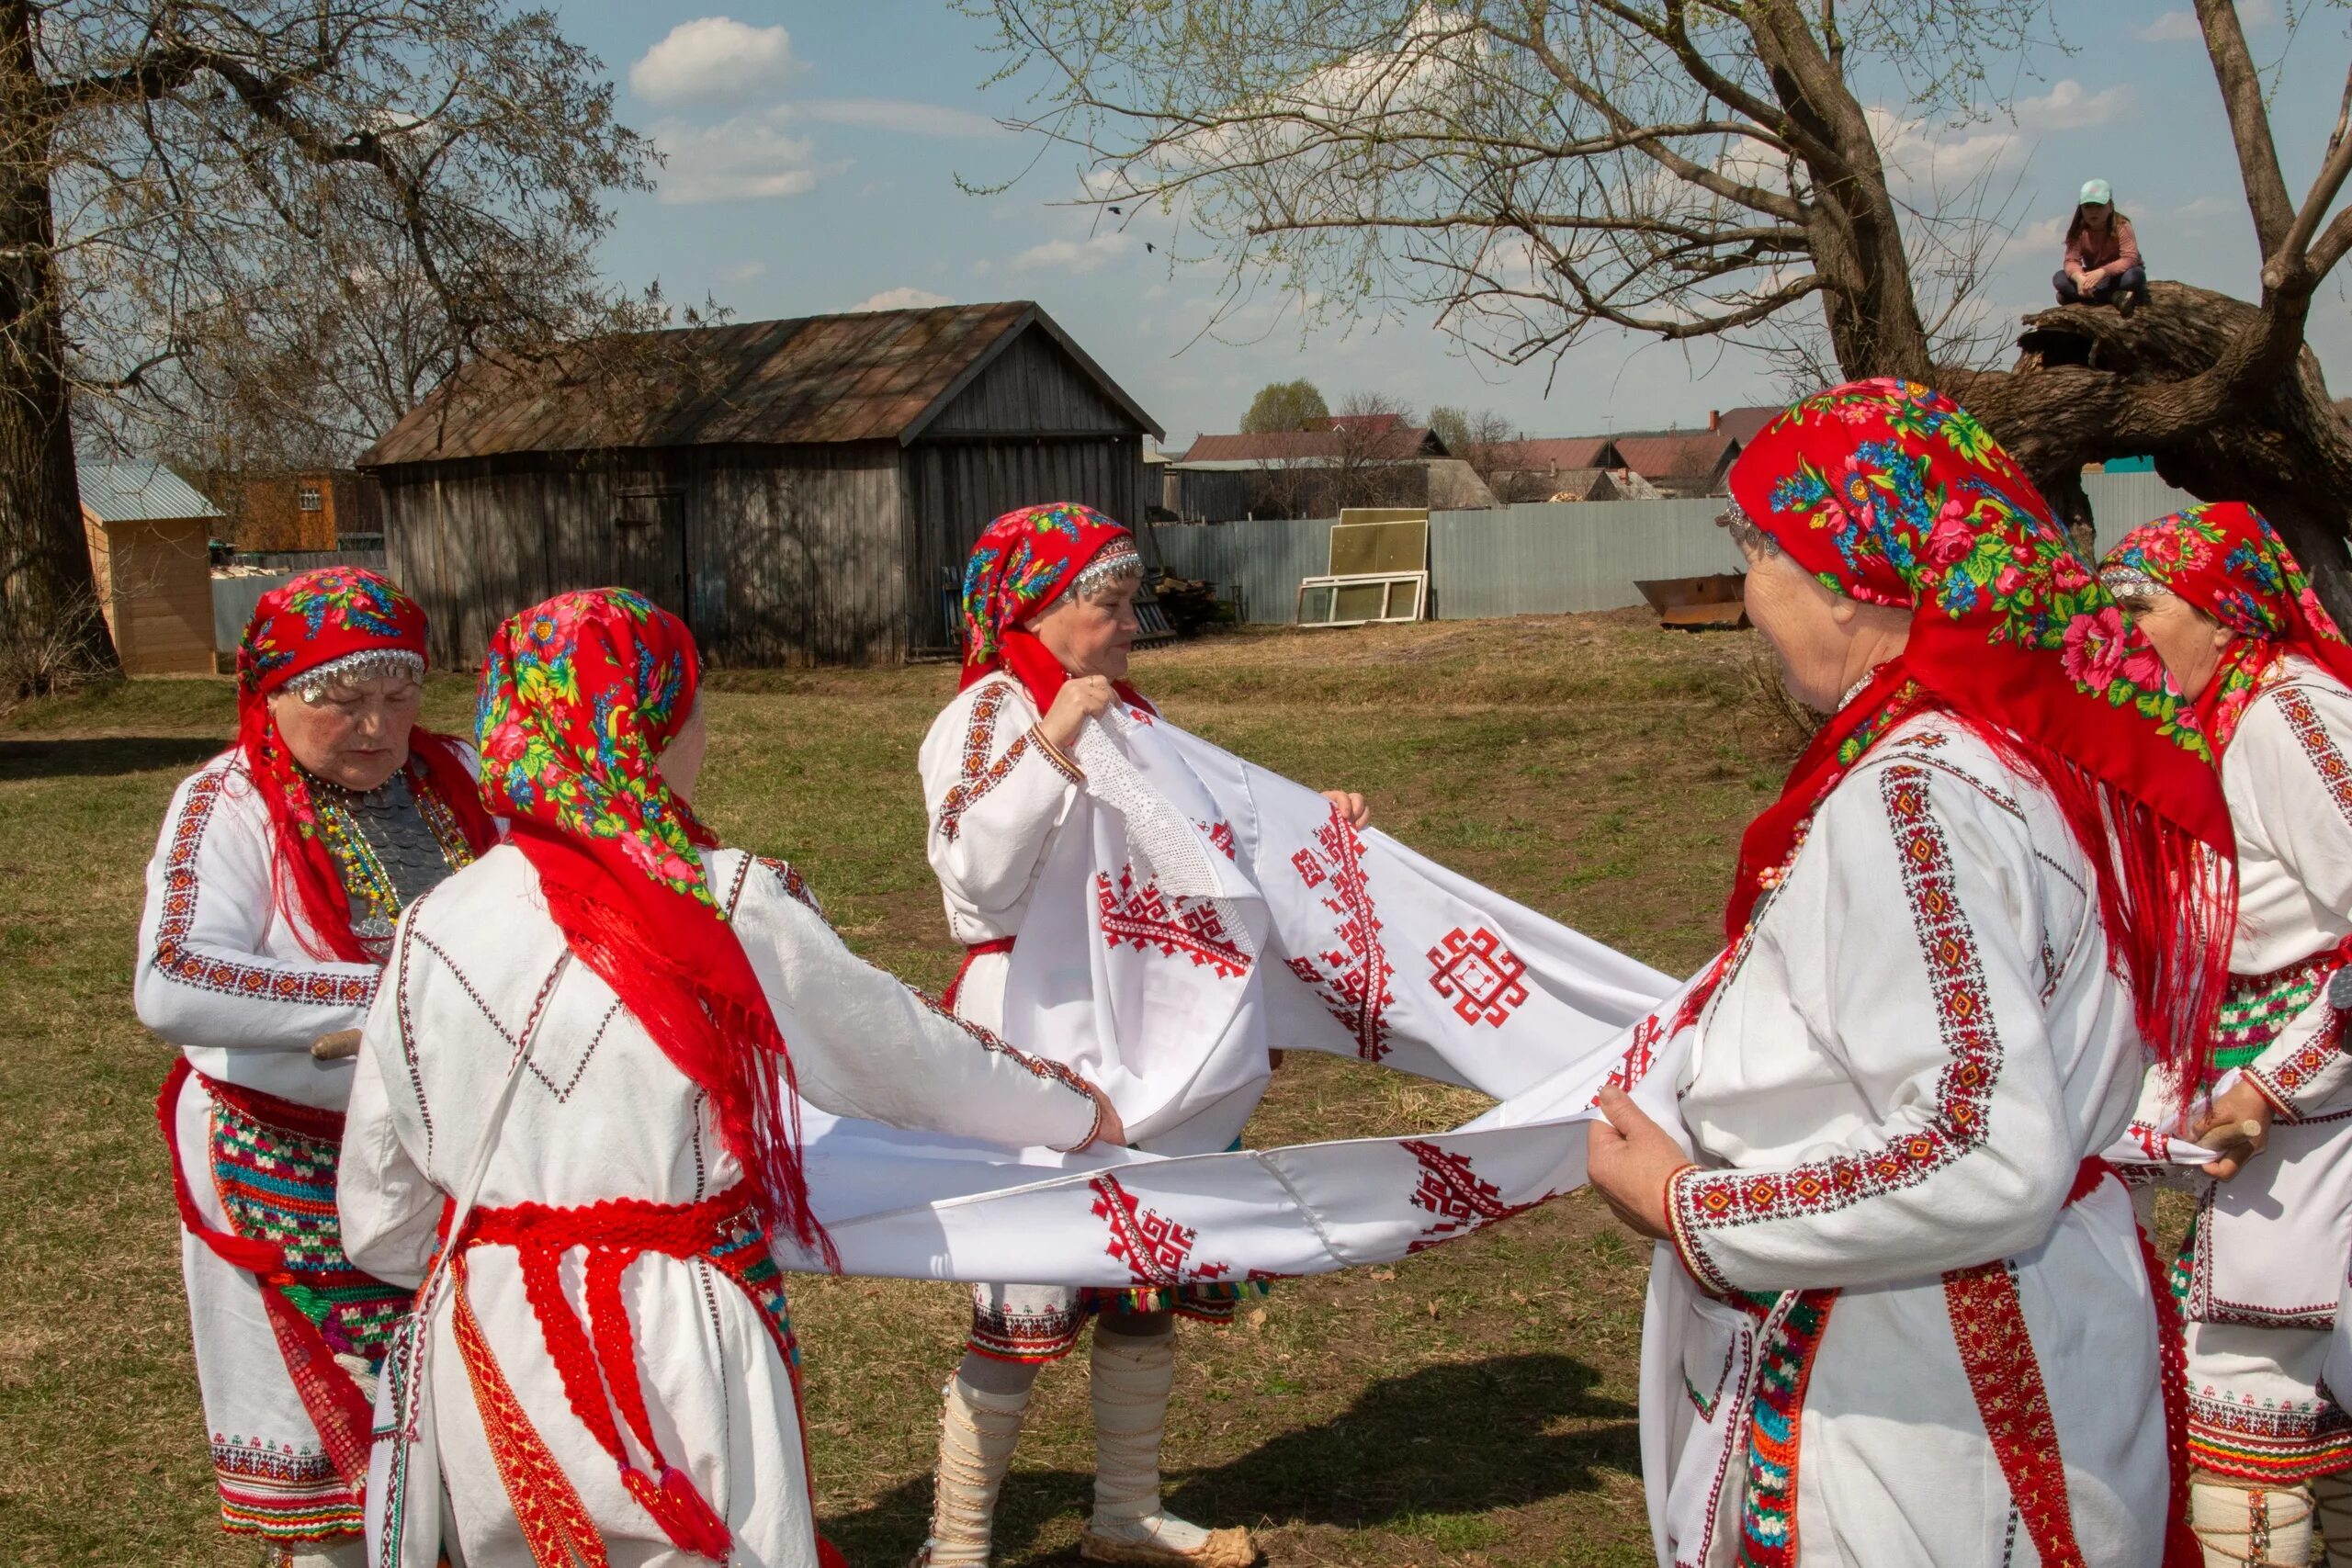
pixel 610 1376
pixel 2227 607
pixel 1905 1317
pixel 282 864
pixel 1048 620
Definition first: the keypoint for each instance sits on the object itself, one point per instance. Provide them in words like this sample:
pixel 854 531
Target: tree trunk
pixel 54 629
pixel 2090 384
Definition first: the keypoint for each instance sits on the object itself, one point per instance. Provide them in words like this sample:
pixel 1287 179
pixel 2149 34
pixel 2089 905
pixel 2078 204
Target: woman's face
pixel 681 761
pixel 1799 618
pixel 1094 636
pixel 355 735
pixel 2099 215
pixel 2189 641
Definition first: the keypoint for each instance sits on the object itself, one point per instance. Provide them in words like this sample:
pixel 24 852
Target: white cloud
pixel 743 272
pixel 710 60
pixel 1078 256
pixel 2066 106
pixel 903 300
pixel 1928 157
pixel 743 159
pixel 897 114
pixel 2173 27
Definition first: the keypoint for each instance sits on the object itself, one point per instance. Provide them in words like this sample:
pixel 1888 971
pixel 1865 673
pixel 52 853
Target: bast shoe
pixel 1139 1543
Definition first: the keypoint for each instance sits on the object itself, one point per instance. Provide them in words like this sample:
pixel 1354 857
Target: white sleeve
pixel 1906 960
pixel 994 791
pixel 2290 785
pixel 203 978
pixel 864 1044
pixel 388 1205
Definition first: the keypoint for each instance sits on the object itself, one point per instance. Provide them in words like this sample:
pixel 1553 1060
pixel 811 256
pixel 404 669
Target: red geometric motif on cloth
pixel 1641 1056
pixel 977 775
pixel 1143 917
pixel 1708 1199
pixel 1153 1246
pixel 1351 978
pixel 601 1354
pixel 1485 980
pixel 1220 834
pixel 329 1398
pixel 1460 1198
pixel 555 1523
pixel 2325 758
pixel 1988 1324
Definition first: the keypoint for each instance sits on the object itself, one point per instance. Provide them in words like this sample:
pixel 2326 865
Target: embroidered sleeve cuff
pixel 1055 759
pixel 2275 1090
pixel 1681 1228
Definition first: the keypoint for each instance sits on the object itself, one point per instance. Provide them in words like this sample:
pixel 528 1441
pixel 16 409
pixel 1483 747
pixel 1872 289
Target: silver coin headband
pixel 1118 561
pixel 312 685
pixel 2131 582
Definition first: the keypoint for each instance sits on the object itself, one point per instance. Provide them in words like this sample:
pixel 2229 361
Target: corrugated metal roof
pixel 1659 456
pixel 1371 442
pixel 1546 453
pixel 139 493
pixel 868 375
pixel 1742 424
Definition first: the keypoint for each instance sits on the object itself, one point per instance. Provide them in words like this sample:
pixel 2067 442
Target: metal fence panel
pixel 233 599
pixel 1544 558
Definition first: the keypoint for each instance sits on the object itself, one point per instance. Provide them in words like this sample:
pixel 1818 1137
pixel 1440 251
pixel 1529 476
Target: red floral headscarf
pixel 1022 564
pixel 2226 560
pixel 338 619
pixel 579 698
pixel 1890 493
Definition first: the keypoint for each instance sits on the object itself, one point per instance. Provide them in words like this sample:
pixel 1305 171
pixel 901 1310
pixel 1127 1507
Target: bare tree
pixel 1689 169
pixel 193 192
pixel 1480 437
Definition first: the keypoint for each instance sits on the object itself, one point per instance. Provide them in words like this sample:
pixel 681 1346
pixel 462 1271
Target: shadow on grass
pixel 1462 1438
pixel 102 756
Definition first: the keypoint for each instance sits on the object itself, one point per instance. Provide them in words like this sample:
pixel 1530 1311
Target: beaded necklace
pixel 365 876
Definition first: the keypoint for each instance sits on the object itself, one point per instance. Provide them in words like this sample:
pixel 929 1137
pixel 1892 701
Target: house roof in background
pixel 864 375
pixel 1551 454
pixel 1660 457
pixel 1741 424
pixel 139 493
pixel 1379 439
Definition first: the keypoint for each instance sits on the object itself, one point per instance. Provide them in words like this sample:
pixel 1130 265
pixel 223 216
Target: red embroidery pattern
pixel 1143 917
pixel 1641 1056
pixel 555 1523
pixel 1153 1246
pixel 1963 1090
pixel 1351 978
pixel 978 775
pixel 174 957
pixel 1219 834
pixel 1462 1199
pixel 793 885
pixel 1988 1324
pixel 2279 1445
pixel 1485 980
pixel 2295 1077
pixel 1038 1067
pixel 2326 759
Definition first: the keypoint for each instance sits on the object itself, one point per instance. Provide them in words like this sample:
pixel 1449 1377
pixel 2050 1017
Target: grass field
pixel 1473 1406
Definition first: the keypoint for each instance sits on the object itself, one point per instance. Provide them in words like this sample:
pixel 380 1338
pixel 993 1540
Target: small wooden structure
pixel 1695 603
pixel 800 490
pixel 150 537
pixel 322 509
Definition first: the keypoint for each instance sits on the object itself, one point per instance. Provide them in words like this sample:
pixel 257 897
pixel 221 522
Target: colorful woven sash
pixel 600 1355
pixel 273 1166
pixel 2256 1009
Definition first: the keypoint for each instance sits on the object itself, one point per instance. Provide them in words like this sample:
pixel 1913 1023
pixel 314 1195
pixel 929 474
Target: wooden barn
pixel 149 538
pixel 801 492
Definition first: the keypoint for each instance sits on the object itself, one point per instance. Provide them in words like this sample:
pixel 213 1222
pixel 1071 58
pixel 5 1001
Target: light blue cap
pixel 2096 194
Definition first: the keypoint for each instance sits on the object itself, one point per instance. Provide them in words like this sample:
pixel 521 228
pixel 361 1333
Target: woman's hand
pixel 1352 810
pixel 1081 697
pixel 2240 1122
pixel 1110 1132
pixel 1628 1159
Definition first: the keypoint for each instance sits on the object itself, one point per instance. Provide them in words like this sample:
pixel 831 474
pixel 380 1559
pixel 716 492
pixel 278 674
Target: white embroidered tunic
pixel 2265 1260
pixel 226 977
pixel 1891 1096
pixel 602 1115
pixel 996 793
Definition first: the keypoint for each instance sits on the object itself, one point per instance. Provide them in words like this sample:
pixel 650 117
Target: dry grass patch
pixel 1473 1406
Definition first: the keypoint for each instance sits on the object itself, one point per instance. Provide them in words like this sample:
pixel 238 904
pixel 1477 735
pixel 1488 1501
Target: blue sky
pixel 814 151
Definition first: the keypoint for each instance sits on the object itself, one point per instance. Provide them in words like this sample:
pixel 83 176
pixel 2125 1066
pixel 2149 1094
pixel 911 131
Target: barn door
pixel 650 546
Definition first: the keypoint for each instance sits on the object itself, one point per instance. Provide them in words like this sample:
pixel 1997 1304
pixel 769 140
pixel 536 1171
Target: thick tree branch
pixel 2241 84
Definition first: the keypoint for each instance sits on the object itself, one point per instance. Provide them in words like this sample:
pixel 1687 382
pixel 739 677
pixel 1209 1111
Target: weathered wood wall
pixel 782 554
pixel 154 579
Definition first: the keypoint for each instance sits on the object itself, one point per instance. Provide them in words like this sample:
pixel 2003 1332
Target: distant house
pixel 801 491
pixel 1344 460
pixel 1678 464
pixel 1549 468
pixel 1742 424
pixel 319 509
pixel 149 538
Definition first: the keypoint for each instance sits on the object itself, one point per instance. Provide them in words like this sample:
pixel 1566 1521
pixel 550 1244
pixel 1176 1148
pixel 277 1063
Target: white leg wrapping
pixel 976 1433
pixel 1132 1376
pixel 2249 1526
pixel 2331 1501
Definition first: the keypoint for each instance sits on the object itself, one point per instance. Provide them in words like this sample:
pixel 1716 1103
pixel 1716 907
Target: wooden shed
pixel 150 536
pixel 800 490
